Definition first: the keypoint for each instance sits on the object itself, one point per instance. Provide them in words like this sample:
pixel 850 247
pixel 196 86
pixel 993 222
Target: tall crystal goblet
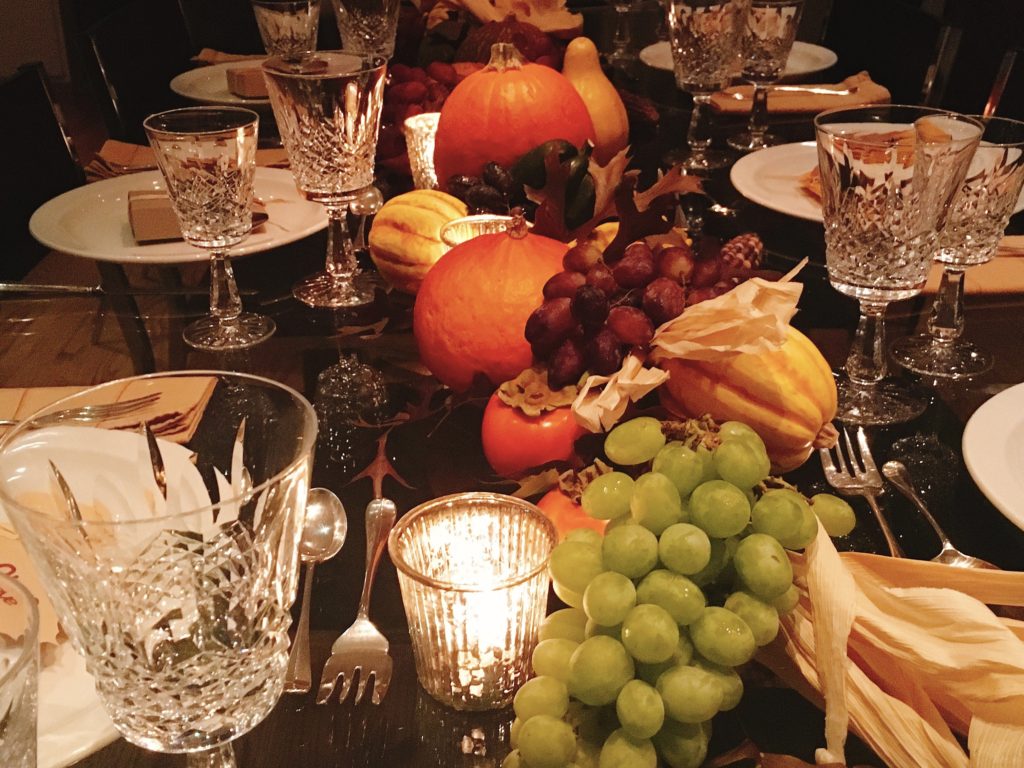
pixel 367 26
pixel 706 39
pixel 177 596
pixel 622 41
pixel 888 176
pixel 770 33
pixel 971 235
pixel 327 109
pixel 208 159
pixel 287 27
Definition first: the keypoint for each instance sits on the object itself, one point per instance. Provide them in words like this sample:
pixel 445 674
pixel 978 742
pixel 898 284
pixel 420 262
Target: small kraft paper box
pixel 246 82
pixel 152 218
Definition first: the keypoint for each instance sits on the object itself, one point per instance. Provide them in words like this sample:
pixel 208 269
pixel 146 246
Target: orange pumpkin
pixel 505 110
pixel 473 305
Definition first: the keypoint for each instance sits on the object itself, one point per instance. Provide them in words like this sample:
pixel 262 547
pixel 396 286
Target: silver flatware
pixel 54 290
pixel 898 475
pixel 812 89
pixel 362 649
pixel 90 413
pixel 323 534
pixel 855 474
pixel 69 498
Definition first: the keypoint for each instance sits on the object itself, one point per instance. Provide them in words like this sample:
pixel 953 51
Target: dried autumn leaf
pixel 607 178
pixel 549 16
pixel 656 219
pixel 549 218
pixel 675 182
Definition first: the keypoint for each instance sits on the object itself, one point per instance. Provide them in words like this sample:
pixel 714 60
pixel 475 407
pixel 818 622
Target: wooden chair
pixel 137 50
pixel 41 164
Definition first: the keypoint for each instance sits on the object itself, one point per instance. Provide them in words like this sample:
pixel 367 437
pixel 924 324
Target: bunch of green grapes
pixel 687 581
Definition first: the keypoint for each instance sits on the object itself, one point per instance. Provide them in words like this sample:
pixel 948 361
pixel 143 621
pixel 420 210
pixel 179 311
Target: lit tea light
pixel 419 133
pixel 473 572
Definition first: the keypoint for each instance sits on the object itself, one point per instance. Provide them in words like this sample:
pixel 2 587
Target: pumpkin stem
pixel 505 56
pixel 517 228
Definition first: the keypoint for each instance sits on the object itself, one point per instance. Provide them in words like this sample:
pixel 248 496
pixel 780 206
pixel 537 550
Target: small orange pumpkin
pixel 505 110
pixel 474 302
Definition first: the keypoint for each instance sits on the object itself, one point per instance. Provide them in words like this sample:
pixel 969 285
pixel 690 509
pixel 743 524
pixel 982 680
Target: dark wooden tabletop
pixel 429 445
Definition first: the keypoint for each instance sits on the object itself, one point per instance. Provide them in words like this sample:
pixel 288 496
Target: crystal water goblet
pixel 367 26
pixel 177 594
pixel 770 33
pixel 207 156
pixel 971 235
pixel 19 671
pixel 888 176
pixel 622 41
pixel 327 109
pixel 706 39
pixel 287 27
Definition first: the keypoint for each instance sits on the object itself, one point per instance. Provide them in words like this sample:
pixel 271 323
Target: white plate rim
pixel 784 195
pixel 657 54
pixel 189 82
pixel 986 450
pixel 46 220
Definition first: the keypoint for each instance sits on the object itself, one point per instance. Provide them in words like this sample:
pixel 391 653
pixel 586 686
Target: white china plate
pixel 993 448
pixel 92 221
pixel 209 85
pixel 804 59
pixel 72 722
pixel 771 177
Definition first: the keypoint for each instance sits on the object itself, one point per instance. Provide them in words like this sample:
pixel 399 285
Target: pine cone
pixel 744 251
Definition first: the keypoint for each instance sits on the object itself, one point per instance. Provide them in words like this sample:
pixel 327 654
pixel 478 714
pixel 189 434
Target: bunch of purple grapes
pixel 596 310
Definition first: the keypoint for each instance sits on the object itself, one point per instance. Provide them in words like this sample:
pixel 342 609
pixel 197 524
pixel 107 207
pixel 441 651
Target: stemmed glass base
pixel 884 402
pixel 928 356
pixel 698 157
pixel 214 334
pixel 222 756
pixel 745 141
pixel 325 290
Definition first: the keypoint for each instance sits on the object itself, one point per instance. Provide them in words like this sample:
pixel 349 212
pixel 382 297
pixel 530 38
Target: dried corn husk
pixel 907 653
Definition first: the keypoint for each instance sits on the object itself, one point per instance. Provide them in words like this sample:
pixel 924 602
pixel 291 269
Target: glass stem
pixel 758 125
pixel 341 256
pixel 946 323
pixel 225 303
pixel 620 43
pixel 866 363
pixel 697 138
pixel 222 756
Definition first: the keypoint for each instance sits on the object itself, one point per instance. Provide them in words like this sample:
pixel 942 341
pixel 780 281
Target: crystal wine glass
pixel 176 593
pixel 367 27
pixel 327 109
pixel 208 159
pixel 706 39
pixel 975 225
pixel 287 27
pixel 770 33
pixel 888 175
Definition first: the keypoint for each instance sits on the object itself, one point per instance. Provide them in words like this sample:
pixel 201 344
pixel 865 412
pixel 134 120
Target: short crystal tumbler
pixel 473 572
pixel 19 674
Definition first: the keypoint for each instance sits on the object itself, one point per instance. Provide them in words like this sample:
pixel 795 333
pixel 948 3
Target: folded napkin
pixel 173 416
pixel 117 157
pixel 1002 276
pixel 860 87
pixel 210 56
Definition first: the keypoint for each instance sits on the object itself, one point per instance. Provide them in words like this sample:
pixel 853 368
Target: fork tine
pixel 346 686
pixel 328 681
pixel 852 454
pixel 364 678
pixel 865 451
pixel 381 681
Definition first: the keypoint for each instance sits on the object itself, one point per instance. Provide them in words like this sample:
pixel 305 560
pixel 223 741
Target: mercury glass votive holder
pixel 472 568
pixel 419 133
pixel 458 231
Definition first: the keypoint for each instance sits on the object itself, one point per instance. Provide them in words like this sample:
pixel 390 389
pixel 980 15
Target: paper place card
pixel 15 563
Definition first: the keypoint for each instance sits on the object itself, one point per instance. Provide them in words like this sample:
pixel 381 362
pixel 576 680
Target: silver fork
pixel 91 412
pixel 362 648
pixel 853 477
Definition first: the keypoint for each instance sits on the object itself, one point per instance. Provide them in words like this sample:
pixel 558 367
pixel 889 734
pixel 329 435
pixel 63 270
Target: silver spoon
pixel 897 474
pixel 323 533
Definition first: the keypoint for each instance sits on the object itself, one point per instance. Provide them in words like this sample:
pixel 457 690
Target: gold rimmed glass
pixel 208 159
pixel 327 109
pixel 888 176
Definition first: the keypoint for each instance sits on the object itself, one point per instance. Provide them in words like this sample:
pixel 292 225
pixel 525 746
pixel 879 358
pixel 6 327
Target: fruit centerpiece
pixel 688 580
